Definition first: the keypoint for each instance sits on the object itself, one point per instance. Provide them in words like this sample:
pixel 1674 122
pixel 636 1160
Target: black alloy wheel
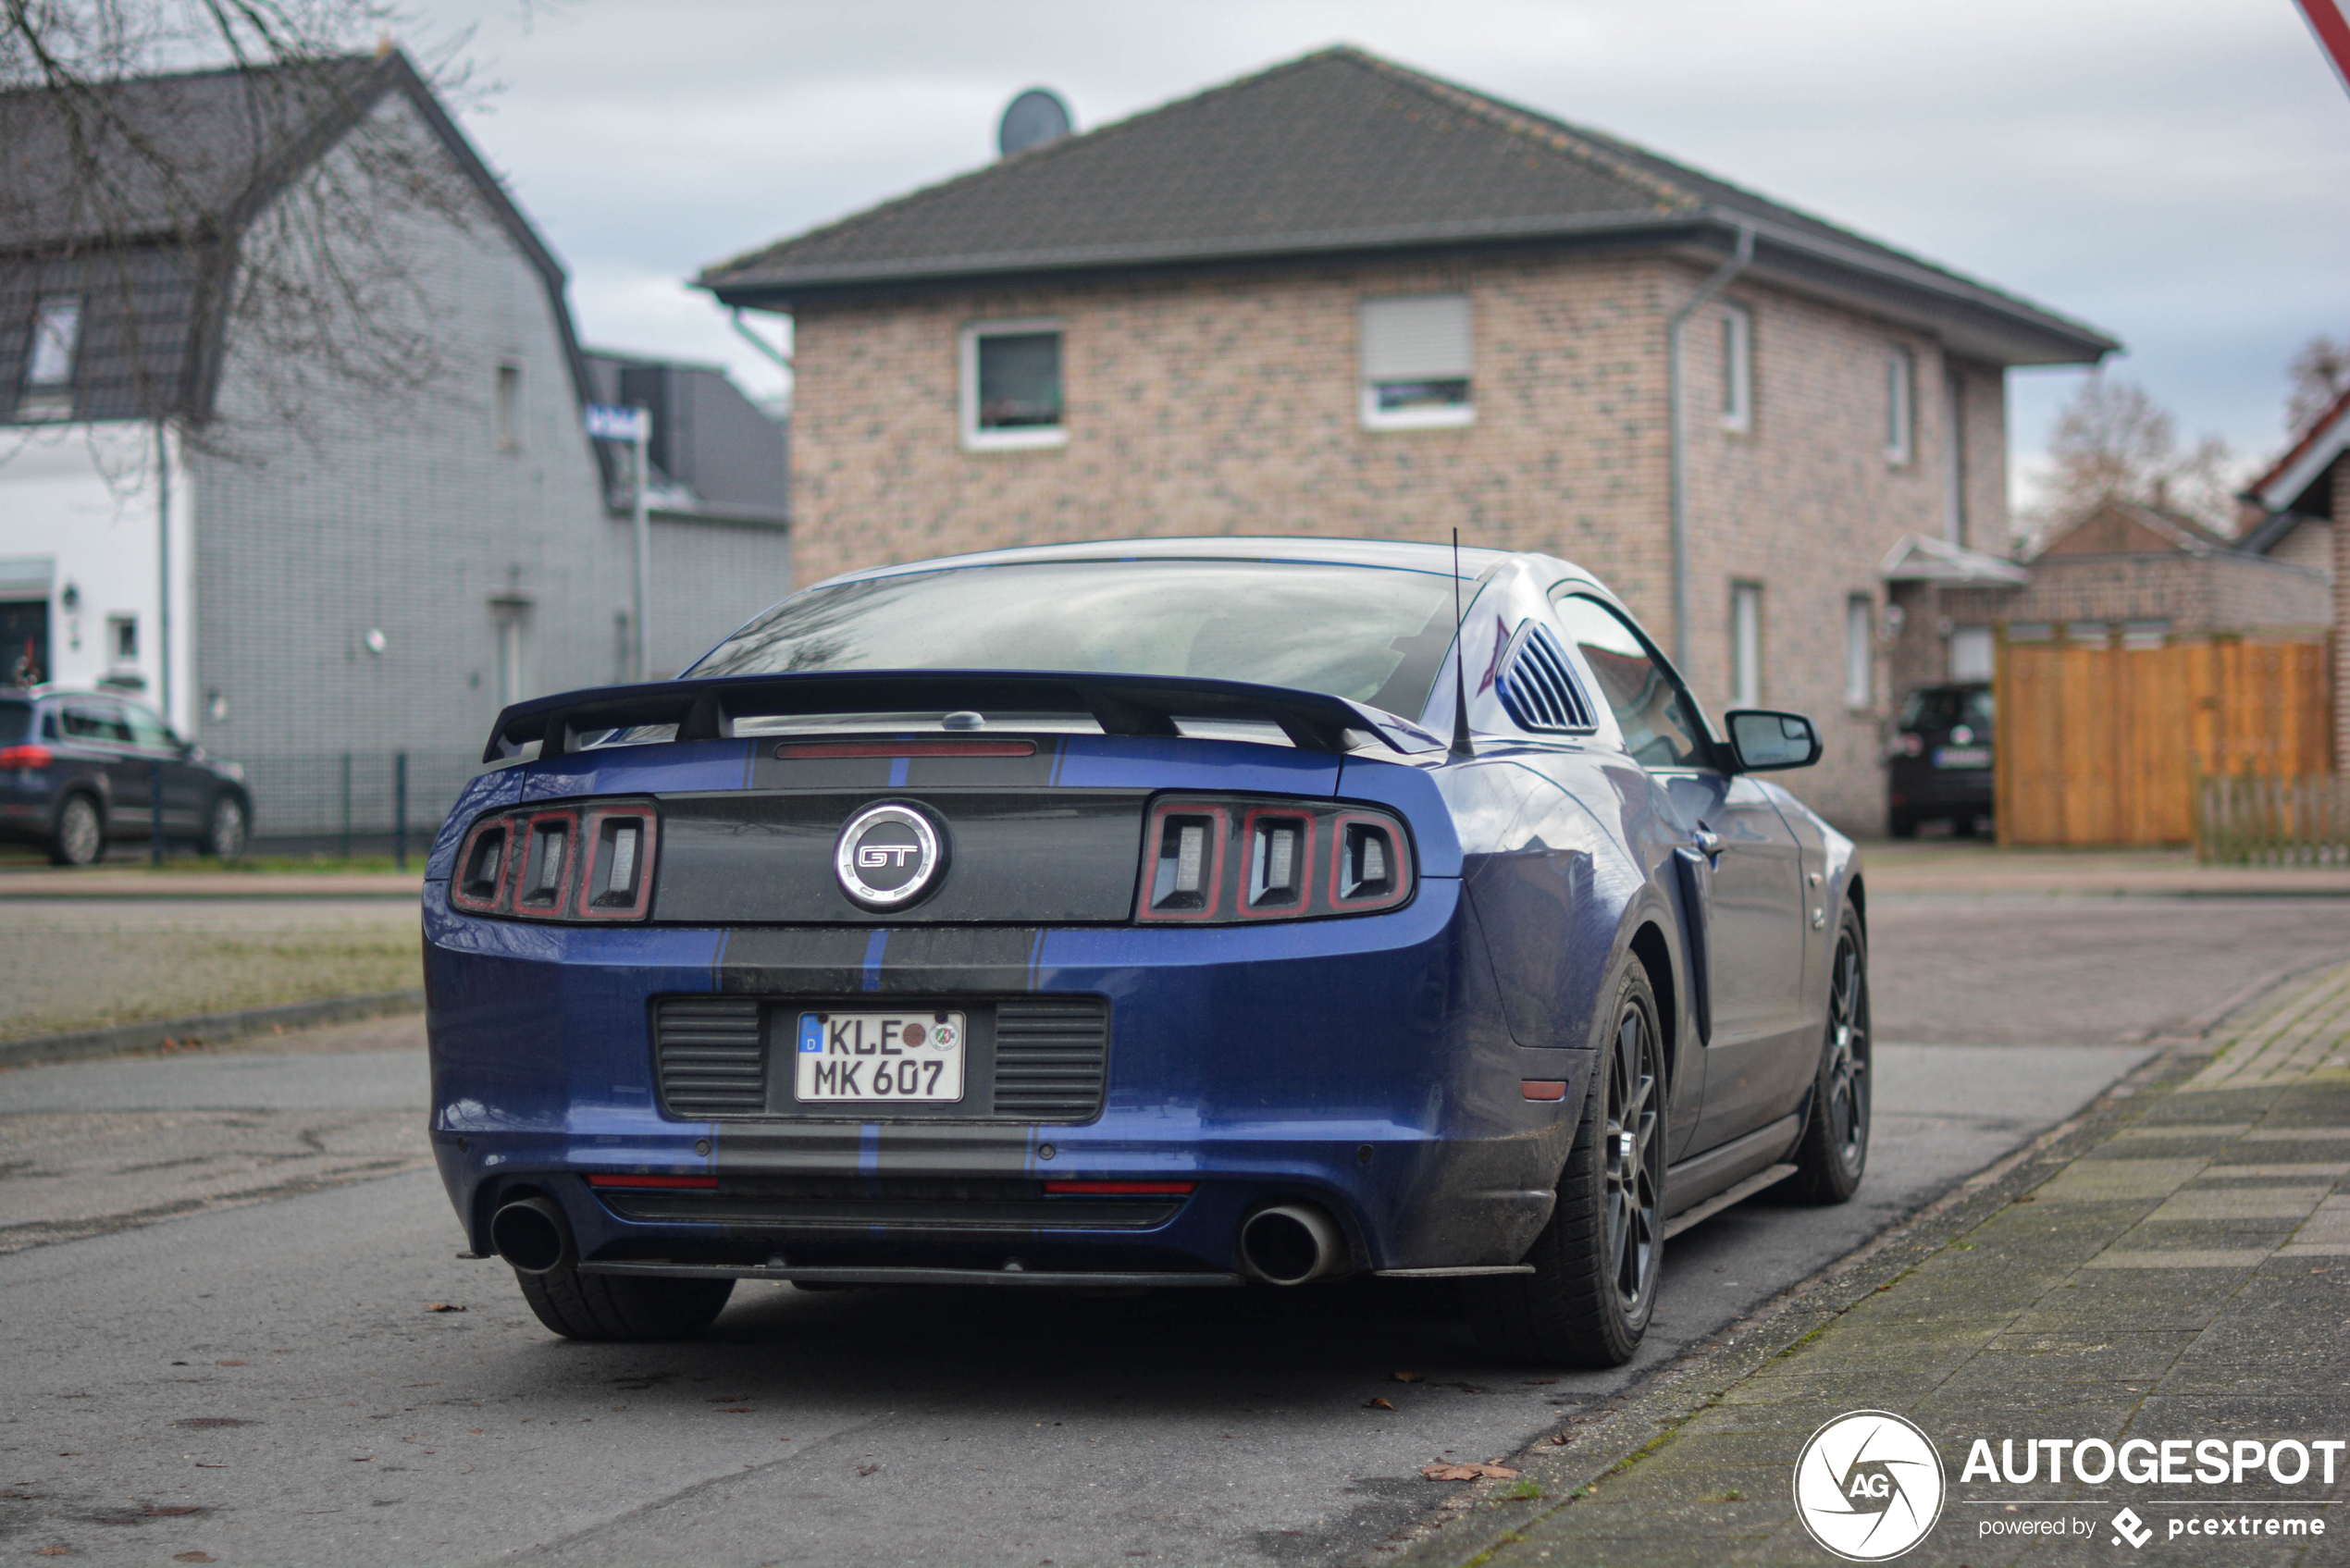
pixel 81 836
pixel 226 828
pixel 1597 1260
pixel 1834 1150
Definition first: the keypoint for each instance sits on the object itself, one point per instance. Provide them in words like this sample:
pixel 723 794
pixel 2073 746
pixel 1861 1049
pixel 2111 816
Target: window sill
pixel 1421 419
pixel 1014 441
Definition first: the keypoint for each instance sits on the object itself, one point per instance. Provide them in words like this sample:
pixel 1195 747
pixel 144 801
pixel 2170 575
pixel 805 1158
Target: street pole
pixel 163 570
pixel 644 543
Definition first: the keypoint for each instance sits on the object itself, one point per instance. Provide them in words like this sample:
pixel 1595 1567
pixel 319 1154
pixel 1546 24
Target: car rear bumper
pixel 1359 1065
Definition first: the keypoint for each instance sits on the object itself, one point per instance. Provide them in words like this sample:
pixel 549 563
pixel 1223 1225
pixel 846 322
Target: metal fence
pixel 322 798
pixel 2259 821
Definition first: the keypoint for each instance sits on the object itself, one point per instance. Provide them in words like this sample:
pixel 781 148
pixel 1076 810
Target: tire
pixel 1834 1153
pixel 623 1307
pixel 80 836
pixel 1596 1262
pixel 225 827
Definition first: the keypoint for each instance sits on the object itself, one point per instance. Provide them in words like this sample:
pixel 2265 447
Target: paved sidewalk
pixel 1977 870
pixel 2173 1267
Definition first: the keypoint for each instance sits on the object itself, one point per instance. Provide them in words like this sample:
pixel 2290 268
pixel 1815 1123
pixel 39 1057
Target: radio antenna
pixel 1463 750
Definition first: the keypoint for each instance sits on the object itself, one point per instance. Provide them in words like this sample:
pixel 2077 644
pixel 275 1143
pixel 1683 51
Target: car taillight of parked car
pixel 1228 859
pixel 583 860
pixel 26 757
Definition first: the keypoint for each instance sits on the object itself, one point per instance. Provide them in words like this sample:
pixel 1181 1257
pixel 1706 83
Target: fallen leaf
pixel 1376 1404
pixel 1558 1440
pixel 442 1306
pixel 866 1469
pixel 2027 1197
pixel 201 1465
pixel 1405 1377
pixel 178 1510
pixel 1541 1382
pixel 1884 1287
pixel 1467 1472
pixel 193 1557
pixel 363 1459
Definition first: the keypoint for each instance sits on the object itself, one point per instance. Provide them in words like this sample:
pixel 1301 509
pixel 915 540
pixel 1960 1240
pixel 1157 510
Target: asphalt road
pixel 259 1376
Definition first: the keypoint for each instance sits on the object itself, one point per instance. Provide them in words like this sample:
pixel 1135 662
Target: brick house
pixel 2302 501
pixel 1340 297
pixel 293 566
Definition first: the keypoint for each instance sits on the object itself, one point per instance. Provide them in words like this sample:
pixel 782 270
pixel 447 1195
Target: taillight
pixel 1215 860
pixel 589 862
pixel 24 757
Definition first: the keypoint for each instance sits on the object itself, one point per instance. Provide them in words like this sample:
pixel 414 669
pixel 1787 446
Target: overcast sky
pixel 2173 171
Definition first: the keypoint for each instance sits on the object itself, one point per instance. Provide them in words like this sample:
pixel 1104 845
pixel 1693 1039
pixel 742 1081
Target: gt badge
pixel 887 857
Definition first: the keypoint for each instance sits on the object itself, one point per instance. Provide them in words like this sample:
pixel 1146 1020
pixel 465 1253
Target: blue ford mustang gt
pixel 1161 913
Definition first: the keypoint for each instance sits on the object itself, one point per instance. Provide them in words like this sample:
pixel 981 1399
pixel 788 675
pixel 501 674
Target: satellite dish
pixel 1034 118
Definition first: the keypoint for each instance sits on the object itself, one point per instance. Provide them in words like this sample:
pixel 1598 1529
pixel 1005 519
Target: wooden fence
pixel 2105 746
pixel 2257 822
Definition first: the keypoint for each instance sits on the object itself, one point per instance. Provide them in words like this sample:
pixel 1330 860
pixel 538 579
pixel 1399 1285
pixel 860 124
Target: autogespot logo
pixel 1868 1486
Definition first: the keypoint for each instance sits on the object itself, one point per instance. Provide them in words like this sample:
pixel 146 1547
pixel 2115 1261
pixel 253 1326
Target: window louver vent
pixel 1537 688
pixel 712 1061
pixel 1050 1056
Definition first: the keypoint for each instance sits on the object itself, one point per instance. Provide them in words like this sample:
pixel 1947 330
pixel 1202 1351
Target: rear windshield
pixel 15 720
pixel 1369 634
pixel 1944 708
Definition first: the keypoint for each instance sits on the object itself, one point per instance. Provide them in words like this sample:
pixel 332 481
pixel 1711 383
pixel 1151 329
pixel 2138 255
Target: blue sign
pixel 606 423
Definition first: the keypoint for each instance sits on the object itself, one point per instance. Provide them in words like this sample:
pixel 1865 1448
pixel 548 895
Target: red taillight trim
pixel 651 1183
pixel 1542 1088
pixel 787 750
pixel 1399 845
pixel 1304 902
pixel 591 834
pixel 1211 904
pixel 1121 1188
pixel 560 907
pixel 26 757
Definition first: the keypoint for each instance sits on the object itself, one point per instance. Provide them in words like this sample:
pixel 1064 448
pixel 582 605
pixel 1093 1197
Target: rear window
pixel 1943 708
pixel 1368 634
pixel 15 720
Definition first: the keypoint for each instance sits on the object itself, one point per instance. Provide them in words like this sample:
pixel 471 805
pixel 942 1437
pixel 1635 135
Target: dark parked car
pixel 1941 761
pixel 1170 913
pixel 78 768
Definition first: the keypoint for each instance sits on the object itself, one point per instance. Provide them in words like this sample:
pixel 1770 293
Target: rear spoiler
pixel 705 708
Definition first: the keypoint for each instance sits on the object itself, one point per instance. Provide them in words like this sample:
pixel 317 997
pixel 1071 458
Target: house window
pixel 1012 385
pixel 1415 362
pixel 1900 418
pixel 1737 368
pixel 49 358
pixel 1972 652
pixel 508 408
pixel 1954 461
pixel 1860 650
pixel 1746 645
pixel 122 638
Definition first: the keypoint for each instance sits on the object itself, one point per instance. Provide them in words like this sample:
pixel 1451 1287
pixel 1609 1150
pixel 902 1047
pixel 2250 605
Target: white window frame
pixel 49 311
pixel 1377 418
pixel 1900 405
pixel 1738 369
pixel 1746 645
pixel 1034 436
pixel 117 624
pixel 1860 650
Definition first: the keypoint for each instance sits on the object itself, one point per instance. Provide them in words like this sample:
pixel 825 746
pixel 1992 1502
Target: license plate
pixel 1961 756
pixel 876 1058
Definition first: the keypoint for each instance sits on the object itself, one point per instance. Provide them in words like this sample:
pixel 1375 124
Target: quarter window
pixel 1660 724
pixel 510 408
pixel 1737 368
pixel 1415 362
pixel 1012 385
pixel 122 638
pixel 1901 417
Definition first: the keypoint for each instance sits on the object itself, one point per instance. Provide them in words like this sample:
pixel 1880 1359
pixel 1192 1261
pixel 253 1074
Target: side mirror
pixel 1764 741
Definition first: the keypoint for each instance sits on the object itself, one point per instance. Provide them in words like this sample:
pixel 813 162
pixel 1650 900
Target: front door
pixel 185 785
pixel 24 642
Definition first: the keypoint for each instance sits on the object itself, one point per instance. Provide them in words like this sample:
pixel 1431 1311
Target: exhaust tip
pixel 1291 1244
pixel 530 1234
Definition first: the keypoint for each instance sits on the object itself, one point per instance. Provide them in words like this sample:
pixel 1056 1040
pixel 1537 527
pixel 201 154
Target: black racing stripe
pixel 816 772
pixel 940 960
pixel 837 1148
pixel 1003 773
pixel 794 960
pixel 822 1148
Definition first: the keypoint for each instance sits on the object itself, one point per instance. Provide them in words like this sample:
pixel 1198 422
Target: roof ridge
pixel 1555 135
pixel 280 68
pixel 1041 153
